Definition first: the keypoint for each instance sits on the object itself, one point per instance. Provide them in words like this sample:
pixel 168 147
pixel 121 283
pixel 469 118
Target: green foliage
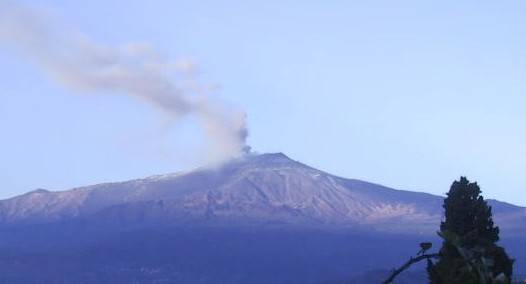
pixel 469 253
pixel 468 215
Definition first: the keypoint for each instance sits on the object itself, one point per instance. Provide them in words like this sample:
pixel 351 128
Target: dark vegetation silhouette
pixel 469 252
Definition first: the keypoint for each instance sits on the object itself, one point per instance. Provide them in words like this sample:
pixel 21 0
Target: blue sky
pixel 409 94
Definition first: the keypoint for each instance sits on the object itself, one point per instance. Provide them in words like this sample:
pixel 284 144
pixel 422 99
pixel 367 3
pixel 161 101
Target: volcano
pixel 256 219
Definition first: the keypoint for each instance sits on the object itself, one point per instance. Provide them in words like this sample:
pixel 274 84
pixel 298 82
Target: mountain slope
pixel 267 188
pixel 258 219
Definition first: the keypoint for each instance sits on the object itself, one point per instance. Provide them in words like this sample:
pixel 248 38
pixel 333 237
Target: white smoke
pixel 137 70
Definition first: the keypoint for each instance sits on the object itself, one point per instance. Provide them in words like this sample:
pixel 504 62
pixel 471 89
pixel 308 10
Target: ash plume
pixel 137 70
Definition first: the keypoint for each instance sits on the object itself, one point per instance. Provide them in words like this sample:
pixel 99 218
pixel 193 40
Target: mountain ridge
pixel 258 219
pixel 267 188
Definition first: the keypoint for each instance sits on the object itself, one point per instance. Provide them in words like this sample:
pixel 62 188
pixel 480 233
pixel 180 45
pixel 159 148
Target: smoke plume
pixel 136 70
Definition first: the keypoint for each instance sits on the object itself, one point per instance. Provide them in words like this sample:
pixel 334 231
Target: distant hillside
pixel 258 219
pixel 268 188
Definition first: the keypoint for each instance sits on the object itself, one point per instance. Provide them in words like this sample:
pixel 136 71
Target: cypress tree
pixel 469 253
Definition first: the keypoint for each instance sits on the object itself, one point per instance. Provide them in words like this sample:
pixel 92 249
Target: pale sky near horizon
pixel 408 94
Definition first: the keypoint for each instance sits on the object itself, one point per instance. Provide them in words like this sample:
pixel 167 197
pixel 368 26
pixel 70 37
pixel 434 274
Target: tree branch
pixel 410 262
